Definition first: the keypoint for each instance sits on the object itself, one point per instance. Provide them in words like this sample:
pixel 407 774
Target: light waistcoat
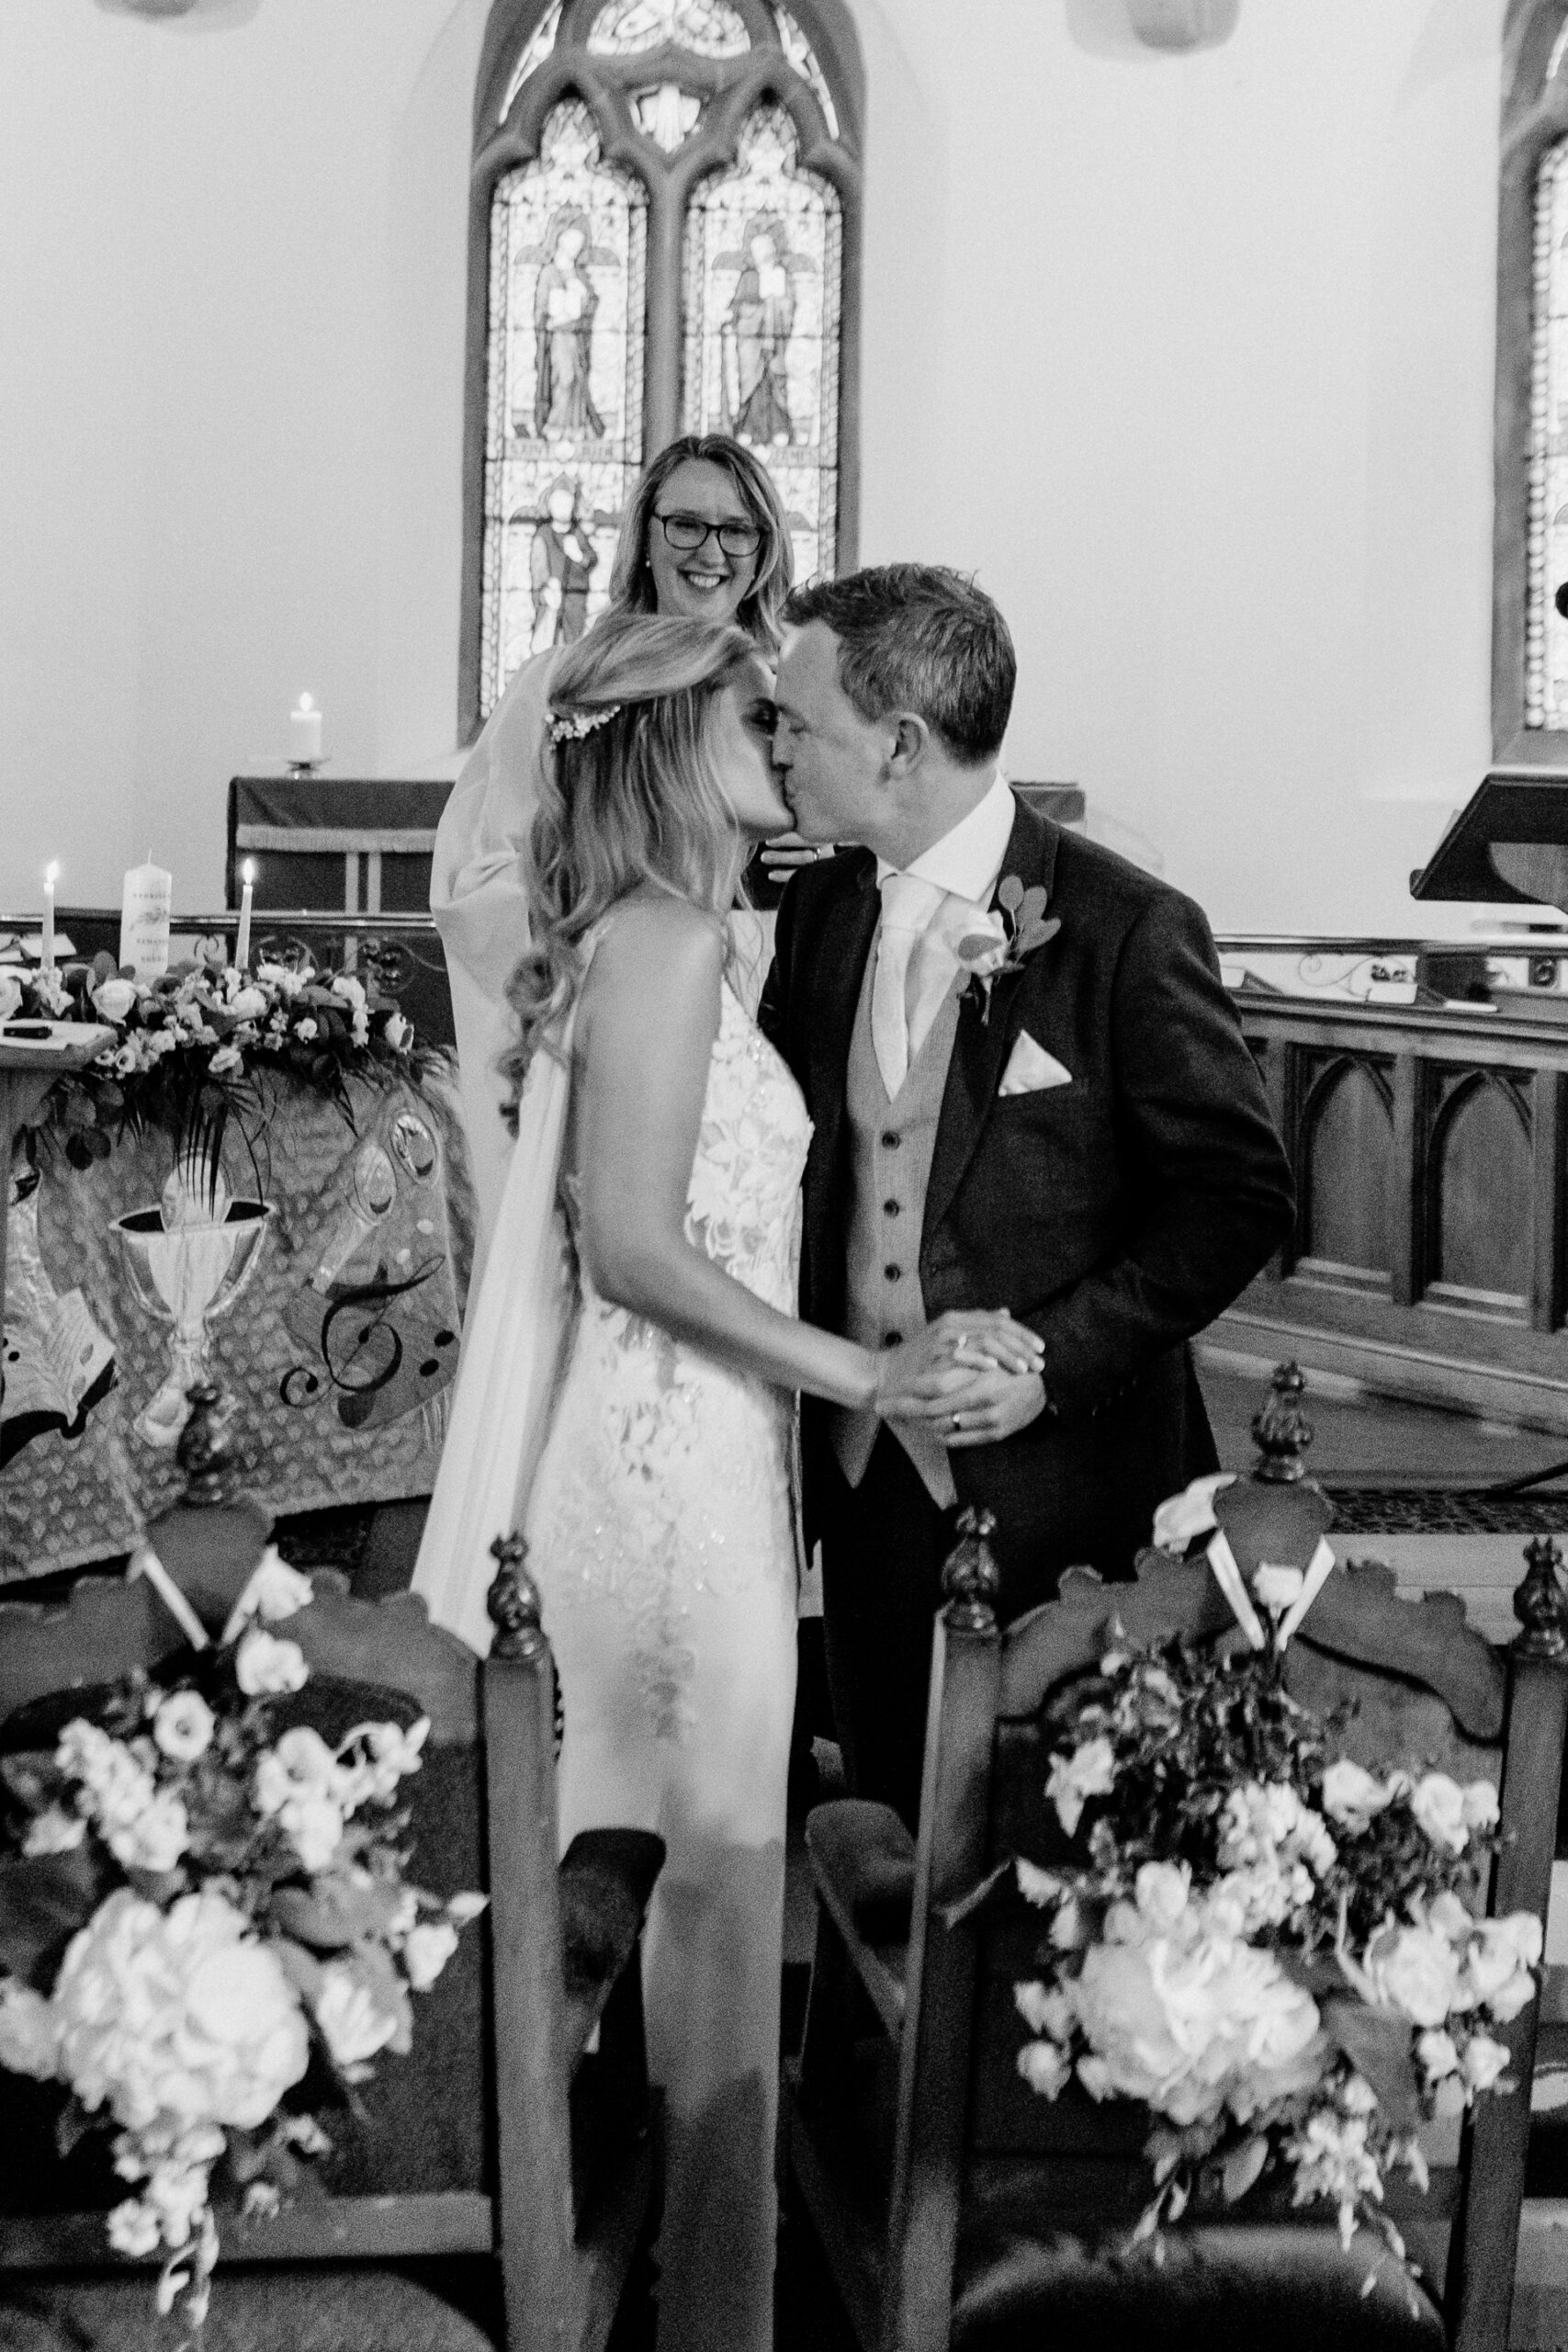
pixel 891 1143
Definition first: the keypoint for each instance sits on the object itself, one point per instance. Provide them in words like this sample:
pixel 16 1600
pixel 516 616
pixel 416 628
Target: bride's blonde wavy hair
pixel 635 800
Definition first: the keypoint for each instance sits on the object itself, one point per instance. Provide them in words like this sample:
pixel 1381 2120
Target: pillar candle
pixel 242 943
pixel 305 731
pixel 144 921
pixel 46 957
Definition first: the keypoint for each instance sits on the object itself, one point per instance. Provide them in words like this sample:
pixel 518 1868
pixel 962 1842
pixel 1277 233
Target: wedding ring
pixel 958 1420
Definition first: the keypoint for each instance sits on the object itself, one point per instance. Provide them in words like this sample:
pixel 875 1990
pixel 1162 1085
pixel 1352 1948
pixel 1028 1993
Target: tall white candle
pixel 242 943
pixel 47 956
pixel 144 920
pixel 305 731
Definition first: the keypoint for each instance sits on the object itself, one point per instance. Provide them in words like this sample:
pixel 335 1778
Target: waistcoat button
pixel 890 1142
pixel 892 1272
pixel 890 1208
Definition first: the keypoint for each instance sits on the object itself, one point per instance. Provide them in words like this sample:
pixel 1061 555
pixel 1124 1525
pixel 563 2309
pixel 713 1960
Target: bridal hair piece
pixel 572 726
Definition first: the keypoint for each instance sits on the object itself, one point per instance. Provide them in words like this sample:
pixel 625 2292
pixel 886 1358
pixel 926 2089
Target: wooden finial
pixel 513 1602
pixel 1280 1431
pixel 205 1451
pixel 1539 1602
pixel 970 1578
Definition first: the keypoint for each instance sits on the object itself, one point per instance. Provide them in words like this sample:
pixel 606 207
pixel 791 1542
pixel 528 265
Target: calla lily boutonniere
pixel 1003 939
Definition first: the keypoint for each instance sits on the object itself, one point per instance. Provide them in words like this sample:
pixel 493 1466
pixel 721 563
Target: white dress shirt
pixel 966 864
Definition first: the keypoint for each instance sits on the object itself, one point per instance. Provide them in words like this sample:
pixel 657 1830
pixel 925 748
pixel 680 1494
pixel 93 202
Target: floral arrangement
pixel 1004 937
pixel 189 1048
pixel 1276 1953
pixel 230 1896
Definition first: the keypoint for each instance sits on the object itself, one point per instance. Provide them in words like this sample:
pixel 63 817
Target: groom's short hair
pixel 918 637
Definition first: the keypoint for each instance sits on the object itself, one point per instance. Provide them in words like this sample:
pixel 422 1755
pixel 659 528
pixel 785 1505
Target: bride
pixel 625 1392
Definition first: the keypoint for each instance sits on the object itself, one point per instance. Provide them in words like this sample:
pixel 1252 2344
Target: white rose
pixel 1037 1886
pixel 247 1004
pixel 1437 1804
pixel 1088 1772
pixel 461 1908
pixel 313 1827
pixel 183 1726
pixel 54 1831
pixel 352 2025
pixel 10 995
pixel 227 1059
pixel 305 1030
pixel 1415 1970
pixel 1438 2053
pixel 1483 2062
pixel 114 1000
pixel 1353 1796
pixel 29 2031
pixel 178 2194
pixel 133 2229
pixel 263 1664
pixel 1045 2009
pixel 351 990
pixel 1189 1514
pixel 1183 2028
pixel 1499 1961
pixel 273 1591
pixel 1043 2067
pixel 1162 1890
pixel 1481 1805
pixel 397 1031
pixel 1276 1588
pixel 427 1951
pixel 177 2019
pixel 155 1840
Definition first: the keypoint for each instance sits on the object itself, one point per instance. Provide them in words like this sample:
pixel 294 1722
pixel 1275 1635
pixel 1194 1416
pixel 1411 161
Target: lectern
pixel 1508 843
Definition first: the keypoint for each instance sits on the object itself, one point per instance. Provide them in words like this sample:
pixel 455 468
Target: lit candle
pixel 144 920
pixel 305 733
pixel 46 958
pixel 242 944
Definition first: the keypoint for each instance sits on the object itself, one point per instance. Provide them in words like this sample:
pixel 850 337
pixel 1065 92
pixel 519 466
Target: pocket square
pixel 1031 1068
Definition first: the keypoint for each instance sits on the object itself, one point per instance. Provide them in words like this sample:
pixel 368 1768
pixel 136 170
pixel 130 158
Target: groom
pixel 1029 1090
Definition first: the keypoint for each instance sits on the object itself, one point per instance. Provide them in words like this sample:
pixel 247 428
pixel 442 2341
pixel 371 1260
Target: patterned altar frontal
pixel 322 1289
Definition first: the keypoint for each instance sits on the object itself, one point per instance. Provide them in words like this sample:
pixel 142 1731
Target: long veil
pixel 514 1351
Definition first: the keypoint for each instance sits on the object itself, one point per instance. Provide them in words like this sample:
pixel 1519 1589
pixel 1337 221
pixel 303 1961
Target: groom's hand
pixel 992 1406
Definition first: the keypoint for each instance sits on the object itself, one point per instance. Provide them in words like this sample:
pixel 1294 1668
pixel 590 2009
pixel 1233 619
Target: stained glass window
pixel 671 189
pixel 803 57
pixel 564 420
pixel 541 41
pixel 762 289
pixel 706 26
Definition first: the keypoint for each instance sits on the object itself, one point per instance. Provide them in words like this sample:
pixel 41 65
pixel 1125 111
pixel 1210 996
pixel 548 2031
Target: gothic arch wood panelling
pixel 1482 1179
pixel 667 115
pixel 1346 1156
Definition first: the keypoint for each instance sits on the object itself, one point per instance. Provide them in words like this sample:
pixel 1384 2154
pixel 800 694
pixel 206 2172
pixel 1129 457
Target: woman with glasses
pixel 705 537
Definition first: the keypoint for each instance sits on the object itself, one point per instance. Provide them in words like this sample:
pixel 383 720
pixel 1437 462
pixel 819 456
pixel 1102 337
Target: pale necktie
pixel 908 906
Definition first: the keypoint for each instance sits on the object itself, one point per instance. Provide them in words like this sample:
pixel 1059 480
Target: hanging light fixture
pixel 1183 24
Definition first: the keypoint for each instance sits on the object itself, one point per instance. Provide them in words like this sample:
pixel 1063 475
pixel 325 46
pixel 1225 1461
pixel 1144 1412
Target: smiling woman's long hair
pixel 636 800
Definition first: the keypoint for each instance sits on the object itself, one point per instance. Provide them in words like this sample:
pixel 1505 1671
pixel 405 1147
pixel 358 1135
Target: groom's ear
pixel 911 737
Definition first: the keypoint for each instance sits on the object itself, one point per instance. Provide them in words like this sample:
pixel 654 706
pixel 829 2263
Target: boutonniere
pixel 1002 940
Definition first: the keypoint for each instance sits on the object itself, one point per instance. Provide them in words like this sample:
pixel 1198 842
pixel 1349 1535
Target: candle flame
pixel 51 872
pixel 248 871
pixel 306 704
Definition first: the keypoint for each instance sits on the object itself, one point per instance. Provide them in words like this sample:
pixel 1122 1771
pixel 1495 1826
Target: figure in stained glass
pixel 564 304
pixel 561 561
pixel 756 338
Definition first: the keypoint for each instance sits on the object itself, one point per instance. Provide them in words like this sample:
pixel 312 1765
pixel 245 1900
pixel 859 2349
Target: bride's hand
pixel 948 1352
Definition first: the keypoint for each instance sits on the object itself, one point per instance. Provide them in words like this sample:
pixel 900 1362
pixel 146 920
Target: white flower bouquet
pixel 205 1931
pixel 1278 1954
pixel 189 1048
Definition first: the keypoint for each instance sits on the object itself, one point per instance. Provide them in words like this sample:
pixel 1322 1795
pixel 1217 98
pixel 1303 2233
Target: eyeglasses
pixel 687 533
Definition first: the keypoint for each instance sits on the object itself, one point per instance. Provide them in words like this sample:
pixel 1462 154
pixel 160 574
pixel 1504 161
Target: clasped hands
pixel 972 1377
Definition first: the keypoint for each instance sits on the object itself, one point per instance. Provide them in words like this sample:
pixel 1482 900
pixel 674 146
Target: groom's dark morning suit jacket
pixel 1116 1216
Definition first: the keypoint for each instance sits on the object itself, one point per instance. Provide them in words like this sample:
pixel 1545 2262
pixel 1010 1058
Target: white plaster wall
pixel 1190 357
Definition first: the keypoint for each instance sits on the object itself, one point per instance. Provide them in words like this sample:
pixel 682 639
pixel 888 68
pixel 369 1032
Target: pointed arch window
pixel 664 237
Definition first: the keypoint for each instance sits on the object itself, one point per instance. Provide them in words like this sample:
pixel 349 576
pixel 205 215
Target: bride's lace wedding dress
pixel 659 1531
